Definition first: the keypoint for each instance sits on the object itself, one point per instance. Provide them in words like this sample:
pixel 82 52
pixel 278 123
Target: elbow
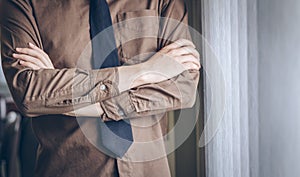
pixel 191 102
pixel 27 98
pixel 23 110
pixel 188 101
pixel 26 107
pixel 189 90
pixel 188 96
pixel 26 111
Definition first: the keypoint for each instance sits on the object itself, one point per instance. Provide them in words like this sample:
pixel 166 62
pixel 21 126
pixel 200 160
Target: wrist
pixel 129 77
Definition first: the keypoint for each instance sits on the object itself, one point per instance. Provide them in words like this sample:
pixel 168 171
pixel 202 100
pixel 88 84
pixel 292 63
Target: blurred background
pixel 256 44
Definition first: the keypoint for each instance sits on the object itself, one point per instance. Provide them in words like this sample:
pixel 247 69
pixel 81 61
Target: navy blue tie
pixel 115 136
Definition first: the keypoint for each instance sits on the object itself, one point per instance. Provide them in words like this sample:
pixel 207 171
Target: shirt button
pixel 103 87
pixel 121 113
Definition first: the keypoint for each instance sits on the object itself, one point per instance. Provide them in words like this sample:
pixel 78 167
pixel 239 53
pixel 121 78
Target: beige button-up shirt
pixel 68 146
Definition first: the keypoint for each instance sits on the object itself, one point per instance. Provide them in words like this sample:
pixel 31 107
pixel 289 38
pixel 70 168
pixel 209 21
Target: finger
pixel 188 59
pixel 30 65
pixel 33 53
pixel 184 51
pixel 28 58
pixel 38 49
pixel 179 43
pixel 189 65
pixel 46 57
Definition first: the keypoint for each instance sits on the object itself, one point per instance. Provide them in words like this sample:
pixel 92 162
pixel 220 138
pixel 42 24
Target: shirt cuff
pixel 105 85
pixel 118 108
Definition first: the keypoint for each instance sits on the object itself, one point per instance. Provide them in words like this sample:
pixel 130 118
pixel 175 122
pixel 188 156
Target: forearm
pixel 92 111
pixel 58 91
pixel 151 99
pixel 129 77
pixel 47 91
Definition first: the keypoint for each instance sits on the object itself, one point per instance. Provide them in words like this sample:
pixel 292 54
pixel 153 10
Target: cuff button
pixel 121 113
pixel 103 87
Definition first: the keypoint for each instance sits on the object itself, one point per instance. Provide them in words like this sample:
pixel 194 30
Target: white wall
pixel 279 87
pixel 257 43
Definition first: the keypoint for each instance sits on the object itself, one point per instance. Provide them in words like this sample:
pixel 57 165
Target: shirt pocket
pixel 137 34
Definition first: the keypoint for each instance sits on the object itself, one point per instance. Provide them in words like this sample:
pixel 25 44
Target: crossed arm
pixel 44 90
pixel 182 51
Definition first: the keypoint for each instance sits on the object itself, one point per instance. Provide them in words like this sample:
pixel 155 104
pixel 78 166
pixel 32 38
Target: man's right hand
pixel 169 62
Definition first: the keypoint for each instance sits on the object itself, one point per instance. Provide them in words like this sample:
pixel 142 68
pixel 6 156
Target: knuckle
pixel 21 50
pixel 176 58
pixel 163 51
pixel 170 53
pixel 187 49
pixel 178 42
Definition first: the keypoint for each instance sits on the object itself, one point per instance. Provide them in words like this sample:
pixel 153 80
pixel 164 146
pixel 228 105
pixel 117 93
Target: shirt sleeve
pixel 39 92
pixel 173 94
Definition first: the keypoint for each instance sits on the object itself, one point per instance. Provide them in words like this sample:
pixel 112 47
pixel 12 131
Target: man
pixel 42 42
